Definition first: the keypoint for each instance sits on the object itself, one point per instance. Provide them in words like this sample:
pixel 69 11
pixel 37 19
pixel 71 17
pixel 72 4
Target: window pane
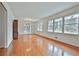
pixel 58 25
pixel 50 26
pixel 71 19
pixel 72 28
pixel 40 27
pixel 27 28
pixel 71 24
pixel 37 27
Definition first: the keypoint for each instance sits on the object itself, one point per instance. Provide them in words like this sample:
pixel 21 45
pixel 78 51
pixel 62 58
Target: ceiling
pixel 37 10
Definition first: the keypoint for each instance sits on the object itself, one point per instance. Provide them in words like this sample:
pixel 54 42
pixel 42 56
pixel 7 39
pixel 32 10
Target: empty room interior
pixel 39 29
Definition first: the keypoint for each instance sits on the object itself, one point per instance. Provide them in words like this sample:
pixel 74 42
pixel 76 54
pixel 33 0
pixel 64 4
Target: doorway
pixel 15 29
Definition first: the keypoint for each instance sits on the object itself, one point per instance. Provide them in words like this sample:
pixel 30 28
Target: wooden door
pixel 15 29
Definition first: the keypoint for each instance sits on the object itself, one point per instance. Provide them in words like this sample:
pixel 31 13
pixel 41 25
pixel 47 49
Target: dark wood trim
pixel 15 29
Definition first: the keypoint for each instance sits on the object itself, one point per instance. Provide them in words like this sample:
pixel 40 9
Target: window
pixel 27 28
pixel 71 24
pixel 58 25
pixel 37 27
pixel 40 27
pixel 50 26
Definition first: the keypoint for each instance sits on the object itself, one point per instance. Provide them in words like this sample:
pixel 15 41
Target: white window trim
pixel 72 23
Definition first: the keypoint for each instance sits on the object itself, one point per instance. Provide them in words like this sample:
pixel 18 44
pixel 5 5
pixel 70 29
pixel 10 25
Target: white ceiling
pixel 37 10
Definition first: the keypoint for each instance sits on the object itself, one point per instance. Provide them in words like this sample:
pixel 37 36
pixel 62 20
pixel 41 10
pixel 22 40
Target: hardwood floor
pixel 34 45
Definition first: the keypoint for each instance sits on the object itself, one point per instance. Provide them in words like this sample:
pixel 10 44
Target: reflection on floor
pixel 33 45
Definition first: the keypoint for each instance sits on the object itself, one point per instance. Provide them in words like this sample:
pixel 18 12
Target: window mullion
pixel 63 25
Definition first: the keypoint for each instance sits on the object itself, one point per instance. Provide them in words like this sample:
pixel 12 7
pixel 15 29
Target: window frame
pixel 40 27
pixel 50 24
pixel 58 25
pixel 72 24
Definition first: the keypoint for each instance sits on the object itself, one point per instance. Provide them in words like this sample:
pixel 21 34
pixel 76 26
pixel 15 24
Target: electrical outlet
pixel 56 37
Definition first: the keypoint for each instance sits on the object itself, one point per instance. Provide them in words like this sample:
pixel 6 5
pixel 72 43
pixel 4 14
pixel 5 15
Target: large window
pixel 40 27
pixel 27 28
pixel 71 24
pixel 50 26
pixel 58 25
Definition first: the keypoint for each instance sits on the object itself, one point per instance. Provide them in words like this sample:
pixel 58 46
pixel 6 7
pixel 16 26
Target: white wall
pixel 2 26
pixel 10 17
pixel 67 38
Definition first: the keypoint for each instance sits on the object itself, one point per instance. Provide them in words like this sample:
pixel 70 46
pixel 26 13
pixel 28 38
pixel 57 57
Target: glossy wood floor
pixel 33 45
